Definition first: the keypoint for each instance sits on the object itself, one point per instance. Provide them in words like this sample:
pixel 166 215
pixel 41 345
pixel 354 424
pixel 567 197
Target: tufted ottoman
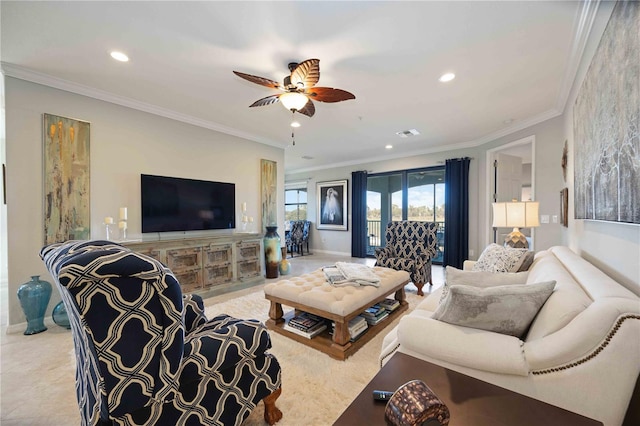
pixel 312 293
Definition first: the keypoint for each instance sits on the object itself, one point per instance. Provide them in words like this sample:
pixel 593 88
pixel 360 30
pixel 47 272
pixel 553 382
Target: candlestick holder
pixel 108 231
pixel 122 226
pixel 244 219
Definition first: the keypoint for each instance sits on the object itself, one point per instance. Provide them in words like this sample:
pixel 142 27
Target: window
pixel 295 204
pixel 405 195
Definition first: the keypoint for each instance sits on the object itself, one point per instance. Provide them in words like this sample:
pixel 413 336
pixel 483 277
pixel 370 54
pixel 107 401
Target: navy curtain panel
pixel 456 214
pixel 358 214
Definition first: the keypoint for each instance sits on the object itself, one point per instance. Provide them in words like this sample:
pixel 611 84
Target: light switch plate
pixel 544 218
pixel 554 218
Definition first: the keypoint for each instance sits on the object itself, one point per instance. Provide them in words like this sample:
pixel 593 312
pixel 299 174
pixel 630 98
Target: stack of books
pixel 390 304
pixel 357 327
pixel 375 314
pixel 306 325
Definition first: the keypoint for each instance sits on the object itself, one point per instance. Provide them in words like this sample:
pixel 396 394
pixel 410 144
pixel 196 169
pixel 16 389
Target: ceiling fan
pixel 298 88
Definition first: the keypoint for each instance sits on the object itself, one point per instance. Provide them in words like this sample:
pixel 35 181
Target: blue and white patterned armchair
pixel 146 354
pixel 297 236
pixel 409 246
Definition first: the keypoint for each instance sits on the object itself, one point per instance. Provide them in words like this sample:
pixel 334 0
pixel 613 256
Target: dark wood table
pixel 471 402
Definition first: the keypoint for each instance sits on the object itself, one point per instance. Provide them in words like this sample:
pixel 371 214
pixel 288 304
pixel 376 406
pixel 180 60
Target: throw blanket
pixel 345 273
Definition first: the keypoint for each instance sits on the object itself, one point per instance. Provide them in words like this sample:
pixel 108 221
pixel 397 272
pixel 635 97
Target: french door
pixel 416 194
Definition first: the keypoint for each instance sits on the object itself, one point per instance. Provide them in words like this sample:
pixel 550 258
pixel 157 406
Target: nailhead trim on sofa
pixel 593 354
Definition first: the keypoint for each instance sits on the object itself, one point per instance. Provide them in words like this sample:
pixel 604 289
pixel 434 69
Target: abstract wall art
pixel 67 213
pixel 269 186
pixel 607 124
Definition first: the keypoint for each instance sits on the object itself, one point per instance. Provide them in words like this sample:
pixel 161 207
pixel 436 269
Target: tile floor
pixel 37 385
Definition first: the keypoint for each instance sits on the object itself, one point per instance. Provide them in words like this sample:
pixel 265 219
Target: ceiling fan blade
pixel 328 94
pixel 308 109
pixel 259 80
pixel 307 73
pixel 266 101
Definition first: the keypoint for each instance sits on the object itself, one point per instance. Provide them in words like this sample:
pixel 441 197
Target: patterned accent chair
pixel 298 236
pixel 146 354
pixel 409 246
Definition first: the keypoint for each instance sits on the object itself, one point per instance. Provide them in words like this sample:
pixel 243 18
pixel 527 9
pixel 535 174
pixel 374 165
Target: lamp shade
pixel 516 214
pixel 293 100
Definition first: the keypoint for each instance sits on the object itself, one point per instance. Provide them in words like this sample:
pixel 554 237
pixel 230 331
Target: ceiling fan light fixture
pixel 295 124
pixel 293 100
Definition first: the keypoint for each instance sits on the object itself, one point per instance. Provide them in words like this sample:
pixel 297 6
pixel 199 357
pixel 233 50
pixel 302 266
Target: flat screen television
pixel 176 204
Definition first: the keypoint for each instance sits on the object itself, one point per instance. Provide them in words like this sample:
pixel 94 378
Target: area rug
pixel 316 389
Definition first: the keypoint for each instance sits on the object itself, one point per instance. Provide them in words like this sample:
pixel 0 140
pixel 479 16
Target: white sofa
pixel 581 353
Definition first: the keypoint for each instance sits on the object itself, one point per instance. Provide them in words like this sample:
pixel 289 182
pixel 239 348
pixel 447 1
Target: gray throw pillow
pixel 527 262
pixel 497 258
pixel 504 309
pixel 455 276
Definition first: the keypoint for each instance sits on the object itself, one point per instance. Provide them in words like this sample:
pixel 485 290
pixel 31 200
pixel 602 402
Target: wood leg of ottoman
pixel 341 334
pixel 275 312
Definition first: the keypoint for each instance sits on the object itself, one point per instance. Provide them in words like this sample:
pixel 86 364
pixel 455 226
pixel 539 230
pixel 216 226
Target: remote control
pixel 379 395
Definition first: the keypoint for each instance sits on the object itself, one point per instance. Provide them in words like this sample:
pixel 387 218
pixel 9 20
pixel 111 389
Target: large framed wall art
pixel 67 178
pixel 332 205
pixel 607 124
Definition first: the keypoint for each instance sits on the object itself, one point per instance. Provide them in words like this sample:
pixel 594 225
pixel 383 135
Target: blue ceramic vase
pixel 60 316
pixel 285 267
pixel 34 297
pixel 272 252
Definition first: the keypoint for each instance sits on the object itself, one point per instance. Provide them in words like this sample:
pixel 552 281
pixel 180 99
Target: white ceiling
pixel 513 60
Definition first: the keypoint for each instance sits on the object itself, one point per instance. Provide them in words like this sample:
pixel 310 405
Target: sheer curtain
pixel 456 214
pixel 359 213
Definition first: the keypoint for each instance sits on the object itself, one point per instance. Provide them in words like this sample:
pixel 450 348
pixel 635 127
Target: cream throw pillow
pixel 504 309
pixel 455 276
pixel 496 258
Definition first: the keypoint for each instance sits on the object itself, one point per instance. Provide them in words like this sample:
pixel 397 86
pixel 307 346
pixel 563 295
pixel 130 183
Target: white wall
pixel 4 303
pixel 124 144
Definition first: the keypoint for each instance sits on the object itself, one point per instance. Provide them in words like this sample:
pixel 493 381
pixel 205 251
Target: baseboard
pixel 335 253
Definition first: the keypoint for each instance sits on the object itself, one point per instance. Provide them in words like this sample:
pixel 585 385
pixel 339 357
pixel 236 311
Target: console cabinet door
pixel 186 265
pixel 218 265
pixel 248 257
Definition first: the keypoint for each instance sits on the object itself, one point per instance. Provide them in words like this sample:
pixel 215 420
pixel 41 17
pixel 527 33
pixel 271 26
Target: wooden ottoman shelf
pixel 311 293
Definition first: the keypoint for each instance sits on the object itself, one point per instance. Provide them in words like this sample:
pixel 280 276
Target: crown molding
pixel 23 73
pixel 520 125
pixel 583 24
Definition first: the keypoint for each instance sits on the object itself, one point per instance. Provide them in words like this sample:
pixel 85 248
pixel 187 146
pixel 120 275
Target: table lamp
pixel 516 214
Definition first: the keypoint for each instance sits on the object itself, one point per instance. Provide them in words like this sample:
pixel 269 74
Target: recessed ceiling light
pixel 388 146
pixel 508 121
pixel 119 56
pixel 447 77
